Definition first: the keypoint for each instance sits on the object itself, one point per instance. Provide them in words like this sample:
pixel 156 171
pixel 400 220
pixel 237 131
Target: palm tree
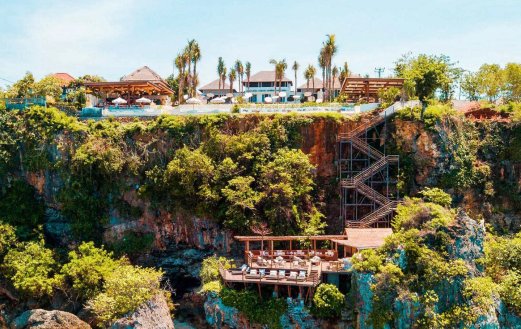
pixel 231 77
pixel 248 73
pixel 330 49
pixel 344 73
pixel 334 74
pixel 196 57
pixel 280 68
pixel 274 62
pixel 240 72
pixel 295 68
pixel 223 77
pixel 180 64
pixel 322 63
pixel 186 75
pixel 309 74
pixel 220 70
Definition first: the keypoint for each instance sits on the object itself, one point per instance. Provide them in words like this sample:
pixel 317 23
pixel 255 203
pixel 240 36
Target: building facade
pixel 262 86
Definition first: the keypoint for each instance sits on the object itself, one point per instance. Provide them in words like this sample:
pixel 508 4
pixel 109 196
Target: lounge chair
pixel 273 275
pixel 253 274
pixel 282 274
pixel 240 270
pixel 315 260
pixel 262 272
pixel 261 261
pixel 292 275
pixel 301 276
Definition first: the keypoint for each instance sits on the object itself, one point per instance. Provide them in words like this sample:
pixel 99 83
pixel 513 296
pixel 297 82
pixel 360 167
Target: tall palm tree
pixel 179 63
pixel 295 68
pixel 186 75
pixel 196 57
pixel 274 62
pixel 309 74
pixel 231 77
pixel 223 77
pixel 322 63
pixel 240 72
pixel 280 68
pixel 334 74
pixel 220 70
pixel 330 49
pixel 248 73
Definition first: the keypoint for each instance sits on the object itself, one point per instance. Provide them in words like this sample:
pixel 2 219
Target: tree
pixel 125 289
pixel 242 200
pixel 30 267
pixel 88 268
pixel 322 63
pixel 295 68
pixel 231 77
pixel 49 86
pixel 334 74
pixel 280 68
pixel 7 238
pixel 23 87
pixel 492 81
pixel 309 74
pixel 220 71
pixel 424 75
pixel 180 64
pixel 513 82
pixel 471 86
pixel 248 73
pixel 329 49
pixel 261 229
pixel 223 77
pixel 328 301
pixel 239 69
pixel 344 73
pixel 195 56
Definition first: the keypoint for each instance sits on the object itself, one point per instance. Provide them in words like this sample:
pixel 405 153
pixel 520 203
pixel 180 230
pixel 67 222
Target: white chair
pixel 253 274
pixel 273 275
pixel 302 276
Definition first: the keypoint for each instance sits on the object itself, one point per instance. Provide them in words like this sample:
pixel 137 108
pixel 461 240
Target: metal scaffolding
pixel 368 177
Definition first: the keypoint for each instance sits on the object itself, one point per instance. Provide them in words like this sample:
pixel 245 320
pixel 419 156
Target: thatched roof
pixel 142 74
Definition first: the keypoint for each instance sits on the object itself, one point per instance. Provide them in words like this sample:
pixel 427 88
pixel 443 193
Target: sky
pixel 111 38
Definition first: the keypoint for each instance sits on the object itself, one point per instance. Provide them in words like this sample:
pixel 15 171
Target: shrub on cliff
pixel 7 238
pixel 210 268
pixel 31 267
pixel 328 301
pixel 436 195
pixel 88 268
pixel 124 290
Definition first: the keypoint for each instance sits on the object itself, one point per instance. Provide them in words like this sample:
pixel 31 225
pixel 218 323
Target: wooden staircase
pixel 357 182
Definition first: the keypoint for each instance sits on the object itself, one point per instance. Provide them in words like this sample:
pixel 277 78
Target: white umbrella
pixel 193 100
pixel 229 95
pixel 282 94
pixel 268 100
pixel 210 95
pixel 248 95
pixel 218 100
pixel 143 100
pixel 307 94
pixel 119 100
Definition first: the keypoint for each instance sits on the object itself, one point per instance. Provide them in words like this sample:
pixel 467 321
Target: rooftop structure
pixel 216 89
pixel 65 78
pixel 143 82
pixel 367 88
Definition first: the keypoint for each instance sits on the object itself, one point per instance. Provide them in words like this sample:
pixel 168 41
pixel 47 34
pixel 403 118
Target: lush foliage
pixel 125 289
pixel 31 267
pixel 328 301
pixel 210 268
pixel 265 312
pixel 88 268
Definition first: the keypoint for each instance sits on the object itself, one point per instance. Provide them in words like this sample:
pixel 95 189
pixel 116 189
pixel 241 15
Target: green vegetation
pixel 265 312
pixel 124 290
pixel 417 263
pixel 328 301
pixel 31 268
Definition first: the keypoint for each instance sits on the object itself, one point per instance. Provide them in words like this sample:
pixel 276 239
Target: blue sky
pixel 112 38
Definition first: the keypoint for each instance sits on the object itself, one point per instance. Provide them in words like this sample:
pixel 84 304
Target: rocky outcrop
pixel 153 314
pixel 42 319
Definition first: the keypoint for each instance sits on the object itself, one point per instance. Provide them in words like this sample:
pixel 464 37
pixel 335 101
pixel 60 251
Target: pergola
pixel 136 88
pixel 288 238
pixel 356 87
